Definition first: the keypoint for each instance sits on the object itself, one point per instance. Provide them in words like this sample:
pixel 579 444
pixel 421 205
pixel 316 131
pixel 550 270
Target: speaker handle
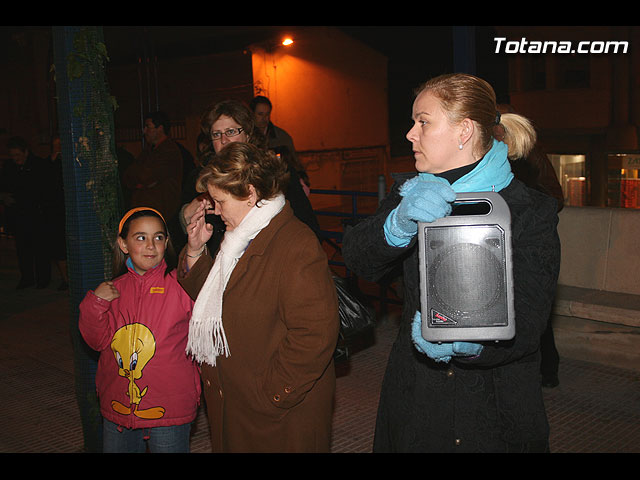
pixel 498 207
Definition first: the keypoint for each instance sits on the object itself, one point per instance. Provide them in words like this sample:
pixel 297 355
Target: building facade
pixel 579 85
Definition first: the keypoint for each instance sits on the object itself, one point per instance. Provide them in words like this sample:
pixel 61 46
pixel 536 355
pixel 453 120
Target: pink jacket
pixel 144 377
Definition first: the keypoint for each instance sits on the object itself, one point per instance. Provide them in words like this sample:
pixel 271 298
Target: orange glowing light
pixel 287 41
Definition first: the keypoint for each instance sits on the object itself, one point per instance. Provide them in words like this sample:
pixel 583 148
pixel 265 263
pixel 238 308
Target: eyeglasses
pixel 229 132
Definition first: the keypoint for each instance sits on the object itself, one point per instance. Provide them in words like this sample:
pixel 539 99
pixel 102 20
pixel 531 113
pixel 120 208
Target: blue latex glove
pixel 424 200
pixel 440 352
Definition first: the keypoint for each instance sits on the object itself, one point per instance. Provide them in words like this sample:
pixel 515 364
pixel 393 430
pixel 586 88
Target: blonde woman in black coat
pixel 462 396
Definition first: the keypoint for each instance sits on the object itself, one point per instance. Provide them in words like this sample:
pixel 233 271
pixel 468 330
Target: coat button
pixel 220 392
pixel 276 398
pixel 288 389
pixel 208 383
pixel 450 373
pixel 458 441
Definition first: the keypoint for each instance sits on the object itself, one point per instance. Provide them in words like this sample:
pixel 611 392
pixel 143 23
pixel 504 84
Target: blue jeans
pixel 174 439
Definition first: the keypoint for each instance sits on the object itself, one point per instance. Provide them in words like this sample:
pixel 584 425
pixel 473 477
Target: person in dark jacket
pixel 462 396
pixel 154 179
pixel 27 182
pixel 536 171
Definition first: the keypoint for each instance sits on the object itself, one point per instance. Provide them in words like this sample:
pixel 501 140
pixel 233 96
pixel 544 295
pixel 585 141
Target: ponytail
pixel 519 135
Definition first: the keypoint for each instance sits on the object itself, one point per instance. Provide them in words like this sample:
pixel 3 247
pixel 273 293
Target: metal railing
pixel 348 219
pixel 352 216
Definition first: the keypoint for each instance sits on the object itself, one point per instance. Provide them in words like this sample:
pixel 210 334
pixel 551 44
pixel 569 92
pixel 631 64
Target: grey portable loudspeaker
pixel 466 276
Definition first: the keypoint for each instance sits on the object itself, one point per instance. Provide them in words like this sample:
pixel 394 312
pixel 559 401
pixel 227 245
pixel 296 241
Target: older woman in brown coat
pixel 265 322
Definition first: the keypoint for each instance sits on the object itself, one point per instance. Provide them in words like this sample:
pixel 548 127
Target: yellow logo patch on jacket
pixel 156 290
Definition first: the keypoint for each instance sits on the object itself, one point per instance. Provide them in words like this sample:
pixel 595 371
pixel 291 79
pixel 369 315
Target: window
pixel 570 170
pixel 623 182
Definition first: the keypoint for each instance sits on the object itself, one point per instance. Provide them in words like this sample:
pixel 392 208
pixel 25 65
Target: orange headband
pixel 134 210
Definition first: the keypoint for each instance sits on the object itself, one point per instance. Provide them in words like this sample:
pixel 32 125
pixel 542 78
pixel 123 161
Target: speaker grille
pixel 466 276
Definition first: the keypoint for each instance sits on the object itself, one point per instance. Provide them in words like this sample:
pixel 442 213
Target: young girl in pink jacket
pixel 149 390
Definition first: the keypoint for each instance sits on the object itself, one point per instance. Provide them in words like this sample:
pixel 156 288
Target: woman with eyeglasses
pixel 221 123
pixel 227 122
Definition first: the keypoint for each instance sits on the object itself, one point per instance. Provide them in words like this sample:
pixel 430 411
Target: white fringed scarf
pixel 206 333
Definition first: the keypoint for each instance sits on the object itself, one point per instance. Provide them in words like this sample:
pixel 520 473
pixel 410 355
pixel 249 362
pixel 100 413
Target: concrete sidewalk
pixel 595 409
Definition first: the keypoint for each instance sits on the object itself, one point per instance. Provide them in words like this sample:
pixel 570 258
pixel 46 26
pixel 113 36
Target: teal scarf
pixel 493 173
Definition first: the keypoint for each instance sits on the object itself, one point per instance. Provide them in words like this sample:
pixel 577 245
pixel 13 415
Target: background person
pixel 221 123
pixel 26 186
pixel 155 178
pixel 231 121
pixel 536 171
pixel 277 138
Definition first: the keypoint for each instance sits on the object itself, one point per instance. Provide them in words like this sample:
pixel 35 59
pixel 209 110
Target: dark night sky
pixel 415 53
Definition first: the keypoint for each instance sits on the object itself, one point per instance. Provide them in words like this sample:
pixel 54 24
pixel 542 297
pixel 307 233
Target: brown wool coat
pixel 274 393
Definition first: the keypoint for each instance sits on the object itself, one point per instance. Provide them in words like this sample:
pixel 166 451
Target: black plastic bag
pixel 357 316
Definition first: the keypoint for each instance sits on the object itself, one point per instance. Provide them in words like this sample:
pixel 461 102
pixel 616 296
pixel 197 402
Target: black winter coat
pixel 493 402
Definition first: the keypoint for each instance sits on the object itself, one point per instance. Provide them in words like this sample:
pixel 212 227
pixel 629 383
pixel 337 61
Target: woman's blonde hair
pixel 466 96
pixel 239 165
